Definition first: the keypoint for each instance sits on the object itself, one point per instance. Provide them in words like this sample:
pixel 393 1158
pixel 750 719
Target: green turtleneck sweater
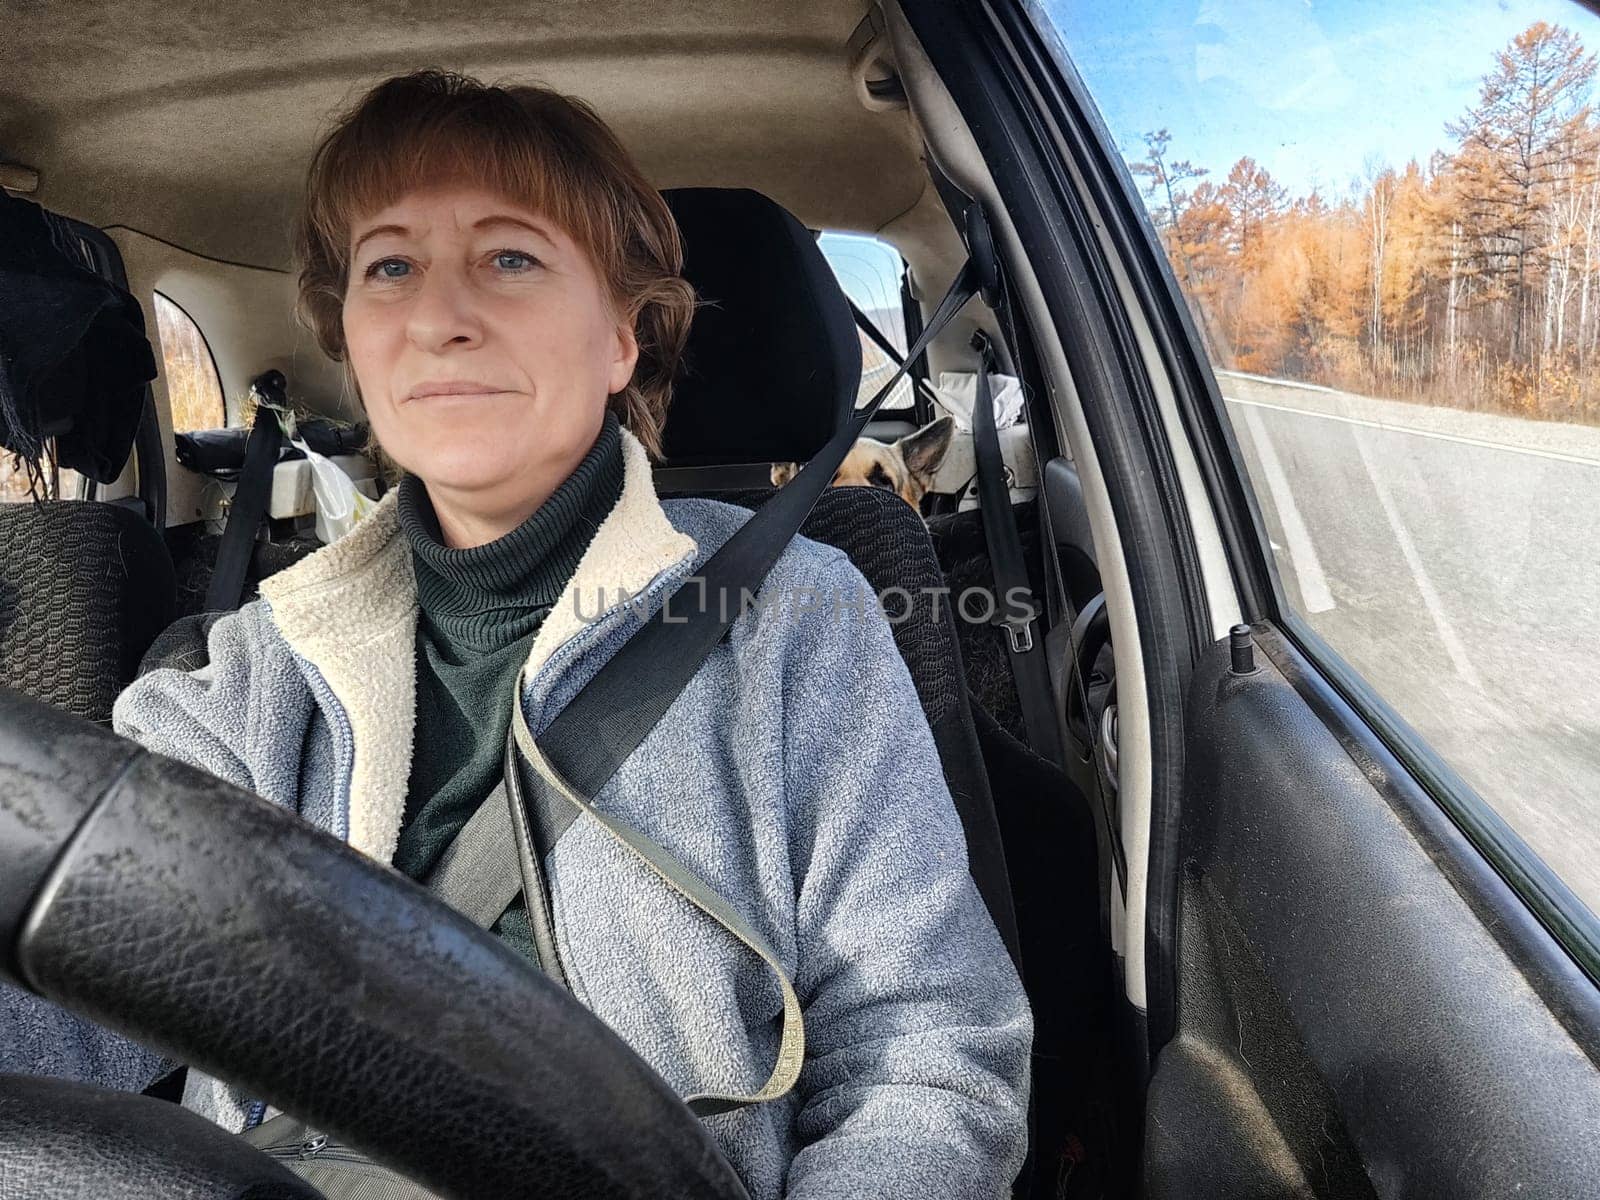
pixel 480 609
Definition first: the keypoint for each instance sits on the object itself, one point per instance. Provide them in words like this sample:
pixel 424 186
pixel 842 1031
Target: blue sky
pixel 1312 89
pixel 870 274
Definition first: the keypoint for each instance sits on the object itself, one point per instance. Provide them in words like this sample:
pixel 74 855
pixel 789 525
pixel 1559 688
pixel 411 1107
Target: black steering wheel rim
pixel 203 921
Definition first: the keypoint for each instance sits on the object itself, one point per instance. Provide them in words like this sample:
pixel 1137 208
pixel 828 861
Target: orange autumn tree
pixel 1472 279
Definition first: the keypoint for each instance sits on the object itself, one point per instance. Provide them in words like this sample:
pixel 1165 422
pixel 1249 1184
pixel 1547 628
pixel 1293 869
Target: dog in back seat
pixel 905 467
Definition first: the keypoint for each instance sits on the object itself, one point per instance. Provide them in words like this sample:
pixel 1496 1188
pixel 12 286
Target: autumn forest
pixel 1471 280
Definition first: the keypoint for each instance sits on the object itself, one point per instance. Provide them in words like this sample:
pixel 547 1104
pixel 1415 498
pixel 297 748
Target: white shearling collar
pixel 350 610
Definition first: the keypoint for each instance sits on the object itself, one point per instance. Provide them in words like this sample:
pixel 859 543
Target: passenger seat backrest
pixel 85 587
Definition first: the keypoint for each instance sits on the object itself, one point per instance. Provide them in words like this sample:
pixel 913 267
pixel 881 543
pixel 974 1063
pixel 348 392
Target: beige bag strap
pixel 477 875
pixel 660 861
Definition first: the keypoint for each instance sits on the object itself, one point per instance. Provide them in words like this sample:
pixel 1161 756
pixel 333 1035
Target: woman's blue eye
pixel 522 261
pixel 379 268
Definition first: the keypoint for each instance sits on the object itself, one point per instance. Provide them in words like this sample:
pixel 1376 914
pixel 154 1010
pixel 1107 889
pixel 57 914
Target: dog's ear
pixel 925 449
pixel 783 472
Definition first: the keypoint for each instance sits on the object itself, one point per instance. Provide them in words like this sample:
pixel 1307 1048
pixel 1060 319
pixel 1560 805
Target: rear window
pixel 194 390
pixel 54 484
pixel 870 271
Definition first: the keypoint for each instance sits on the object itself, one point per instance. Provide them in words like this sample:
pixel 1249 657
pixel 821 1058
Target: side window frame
pixel 900 298
pixel 1133 236
pixel 190 330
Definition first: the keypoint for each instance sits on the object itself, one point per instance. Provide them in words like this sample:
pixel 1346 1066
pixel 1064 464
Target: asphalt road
pixel 1454 560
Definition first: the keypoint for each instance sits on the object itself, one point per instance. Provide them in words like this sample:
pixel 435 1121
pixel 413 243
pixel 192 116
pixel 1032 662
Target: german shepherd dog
pixel 905 467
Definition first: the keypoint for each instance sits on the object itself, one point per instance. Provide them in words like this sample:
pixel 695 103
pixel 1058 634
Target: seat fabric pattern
pixel 84 589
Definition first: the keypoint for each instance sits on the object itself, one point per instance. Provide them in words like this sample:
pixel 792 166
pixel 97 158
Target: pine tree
pixel 1526 129
pixel 1166 180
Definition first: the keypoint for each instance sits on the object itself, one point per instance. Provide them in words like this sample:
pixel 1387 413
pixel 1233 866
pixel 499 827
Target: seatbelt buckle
pixel 1019 632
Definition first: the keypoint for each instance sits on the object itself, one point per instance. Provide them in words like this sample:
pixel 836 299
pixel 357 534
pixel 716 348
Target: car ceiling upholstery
pixel 192 121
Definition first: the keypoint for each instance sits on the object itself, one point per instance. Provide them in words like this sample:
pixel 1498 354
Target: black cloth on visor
pixel 773 360
pixel 74 359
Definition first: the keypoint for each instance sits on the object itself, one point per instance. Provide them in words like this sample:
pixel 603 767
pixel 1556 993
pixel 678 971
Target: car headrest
pixel 773 360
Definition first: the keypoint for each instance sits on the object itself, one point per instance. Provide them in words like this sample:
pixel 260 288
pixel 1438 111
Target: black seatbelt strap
pixel 605 722
pixel 868 327
pixel 1024 638
pixel 478 874
pixel 251 496
pixel 1056 600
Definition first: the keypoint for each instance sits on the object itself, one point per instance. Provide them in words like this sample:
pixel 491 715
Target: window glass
pixel 193 389
pixel 54 483
pixel 1386 222
pixel 869 270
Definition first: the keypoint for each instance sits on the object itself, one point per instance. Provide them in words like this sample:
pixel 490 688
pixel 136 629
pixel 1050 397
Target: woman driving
pixel 504 289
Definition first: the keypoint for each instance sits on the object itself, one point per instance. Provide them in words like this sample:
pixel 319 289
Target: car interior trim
pixel 948 136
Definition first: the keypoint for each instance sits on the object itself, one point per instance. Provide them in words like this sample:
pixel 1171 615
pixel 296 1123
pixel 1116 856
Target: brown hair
pixel 545 151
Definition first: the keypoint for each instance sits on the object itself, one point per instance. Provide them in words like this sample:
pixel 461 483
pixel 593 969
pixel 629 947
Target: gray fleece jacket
pixel 796 776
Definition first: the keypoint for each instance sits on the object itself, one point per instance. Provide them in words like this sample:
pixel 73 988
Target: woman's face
pixel 484 345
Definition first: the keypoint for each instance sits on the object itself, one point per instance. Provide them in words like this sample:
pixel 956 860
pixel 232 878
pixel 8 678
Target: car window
pixel 870 270
pixel 194 390
pixel 53 483
pixel 1386 222
pixel 46 481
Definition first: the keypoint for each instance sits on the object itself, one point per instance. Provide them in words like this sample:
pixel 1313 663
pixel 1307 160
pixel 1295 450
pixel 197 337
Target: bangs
pixel 486 141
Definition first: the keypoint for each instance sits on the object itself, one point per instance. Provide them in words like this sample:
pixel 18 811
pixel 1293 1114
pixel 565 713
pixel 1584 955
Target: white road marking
pixel 1307 566
pixel 1422 433
pixel 1294 383
pixel 1453 646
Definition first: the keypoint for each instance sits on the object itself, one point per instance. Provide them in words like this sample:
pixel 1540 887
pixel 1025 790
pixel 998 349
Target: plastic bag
pixel 340 503
pixel 958 392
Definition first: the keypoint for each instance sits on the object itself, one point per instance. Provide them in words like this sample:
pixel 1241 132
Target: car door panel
pixel 1341 999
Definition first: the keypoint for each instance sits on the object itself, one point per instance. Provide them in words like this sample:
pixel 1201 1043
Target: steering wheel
pixel 225 932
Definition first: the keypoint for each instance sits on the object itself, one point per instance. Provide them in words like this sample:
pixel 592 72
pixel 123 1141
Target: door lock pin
pixel 1241 651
